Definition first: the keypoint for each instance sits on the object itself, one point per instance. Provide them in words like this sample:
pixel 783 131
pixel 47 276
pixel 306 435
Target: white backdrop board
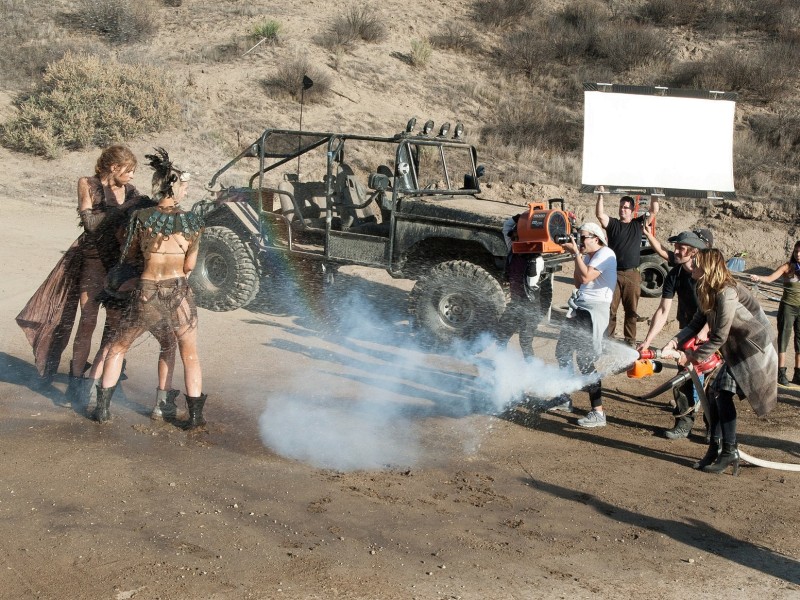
pixel 641 139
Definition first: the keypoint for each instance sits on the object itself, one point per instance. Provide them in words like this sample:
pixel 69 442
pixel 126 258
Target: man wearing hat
pixel 595 277
pixel 678 282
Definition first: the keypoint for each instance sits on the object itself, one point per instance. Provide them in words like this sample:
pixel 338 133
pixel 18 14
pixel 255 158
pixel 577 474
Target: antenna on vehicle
pixel 307 83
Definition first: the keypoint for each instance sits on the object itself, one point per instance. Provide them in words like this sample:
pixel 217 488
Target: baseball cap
pixel 595 230
pixel 689 238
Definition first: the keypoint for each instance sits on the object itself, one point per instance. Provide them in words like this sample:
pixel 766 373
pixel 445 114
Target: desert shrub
pixel 667 13
pixel 268 30
pixel 288 80
pixel 523 51
pixel 84 101
pixel 629 45
pixel 780 131
pixel 118 21
pixel 762 74
pixel 227 51
pixel 420 53
pixel 359 22
pixel 534 122
pixel 28 40
pixel 500 13
pixel 455 36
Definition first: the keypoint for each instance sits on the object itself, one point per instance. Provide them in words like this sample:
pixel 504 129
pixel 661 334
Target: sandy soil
pixel 340 461
pixel 391 480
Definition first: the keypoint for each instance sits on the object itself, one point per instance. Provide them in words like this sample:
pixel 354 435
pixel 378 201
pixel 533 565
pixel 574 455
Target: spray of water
pixel 372 418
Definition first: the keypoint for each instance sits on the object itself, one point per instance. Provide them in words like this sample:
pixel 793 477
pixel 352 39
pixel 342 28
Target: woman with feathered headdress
pixel 167 238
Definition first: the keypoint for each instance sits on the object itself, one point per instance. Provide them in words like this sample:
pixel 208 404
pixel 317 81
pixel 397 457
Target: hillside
pixel 510 70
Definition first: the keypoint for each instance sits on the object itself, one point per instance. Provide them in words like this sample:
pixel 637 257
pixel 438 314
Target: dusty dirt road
pixel 401 487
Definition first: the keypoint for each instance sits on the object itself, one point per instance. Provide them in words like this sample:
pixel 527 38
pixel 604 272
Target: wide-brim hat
pixel 689 238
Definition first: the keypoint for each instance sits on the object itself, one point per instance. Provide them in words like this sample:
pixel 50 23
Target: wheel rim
pixel 216 269
pixel 455 310
pixel 653 279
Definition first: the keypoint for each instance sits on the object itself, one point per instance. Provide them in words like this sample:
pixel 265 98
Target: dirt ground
pixel 382 476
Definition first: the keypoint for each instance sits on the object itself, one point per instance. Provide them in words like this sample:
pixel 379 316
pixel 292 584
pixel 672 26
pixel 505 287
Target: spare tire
pixel 653 269
pixel 456 300
pixel 225 276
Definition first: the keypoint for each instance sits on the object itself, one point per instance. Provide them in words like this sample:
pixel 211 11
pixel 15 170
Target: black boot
pixel 728 456
pixel 195 405
pixel 782 380
pixel 796 378
pixel 165 408
pixel 714 448
pixel 101 414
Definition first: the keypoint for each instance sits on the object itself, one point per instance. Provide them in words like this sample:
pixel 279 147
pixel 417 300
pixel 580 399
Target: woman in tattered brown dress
pixel 163 303
pixel 49 315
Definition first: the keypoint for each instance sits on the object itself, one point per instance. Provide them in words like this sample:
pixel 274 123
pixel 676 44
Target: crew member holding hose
pixel 678 283
pixel 741 332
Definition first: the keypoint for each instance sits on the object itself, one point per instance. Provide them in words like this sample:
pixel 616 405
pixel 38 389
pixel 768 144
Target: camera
pixel 566 239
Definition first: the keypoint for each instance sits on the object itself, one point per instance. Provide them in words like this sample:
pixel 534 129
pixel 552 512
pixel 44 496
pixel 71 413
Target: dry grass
pixel 360 22
pixel 453 35
pixel 503 13
pixel 84 101
pixel 118 21
pixel 420 53
pixel 288 80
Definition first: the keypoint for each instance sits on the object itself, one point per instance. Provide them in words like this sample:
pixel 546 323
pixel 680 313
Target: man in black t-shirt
pixel 678 282
pixel 625 239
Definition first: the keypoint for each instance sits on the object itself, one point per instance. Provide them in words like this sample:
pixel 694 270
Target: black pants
pixel 575 339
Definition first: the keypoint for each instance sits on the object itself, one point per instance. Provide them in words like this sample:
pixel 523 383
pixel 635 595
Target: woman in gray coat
pixel 741 332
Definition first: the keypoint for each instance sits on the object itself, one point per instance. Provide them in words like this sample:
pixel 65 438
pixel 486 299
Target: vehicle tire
pixel 654 271
pixel 456 300
pixel 226 276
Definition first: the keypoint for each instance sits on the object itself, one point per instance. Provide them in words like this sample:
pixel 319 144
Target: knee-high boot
pixel 87 394
pixel 195 405
pixel 729 456
pixel 165 408
pixel 101 413
pixel 714 448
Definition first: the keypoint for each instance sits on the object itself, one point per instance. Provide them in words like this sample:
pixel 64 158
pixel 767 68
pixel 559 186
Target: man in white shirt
pixel 595 278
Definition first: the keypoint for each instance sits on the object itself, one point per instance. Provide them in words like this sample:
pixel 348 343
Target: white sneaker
pixel 593 419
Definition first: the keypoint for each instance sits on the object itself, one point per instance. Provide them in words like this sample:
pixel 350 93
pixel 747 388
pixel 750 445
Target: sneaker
pixel 564 406
pixel 681 430
pixel 593 419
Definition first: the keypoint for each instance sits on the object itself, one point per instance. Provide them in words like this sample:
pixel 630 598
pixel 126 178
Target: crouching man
pixel 583 331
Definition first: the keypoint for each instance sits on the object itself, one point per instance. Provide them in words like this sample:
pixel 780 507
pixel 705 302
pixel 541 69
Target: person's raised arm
pixel 599 209
pixel 654 208
pixel 655 244
pixel 782 270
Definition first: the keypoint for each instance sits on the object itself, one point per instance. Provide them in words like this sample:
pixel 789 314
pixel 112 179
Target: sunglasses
pixel 587 237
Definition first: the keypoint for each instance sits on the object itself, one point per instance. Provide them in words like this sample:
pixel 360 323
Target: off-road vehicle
pixel 414 211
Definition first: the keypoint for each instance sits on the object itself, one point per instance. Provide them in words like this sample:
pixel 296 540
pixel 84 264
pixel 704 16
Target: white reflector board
pixel 680 141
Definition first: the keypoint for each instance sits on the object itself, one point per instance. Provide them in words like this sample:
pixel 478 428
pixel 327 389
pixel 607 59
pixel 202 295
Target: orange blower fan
pixel 542 229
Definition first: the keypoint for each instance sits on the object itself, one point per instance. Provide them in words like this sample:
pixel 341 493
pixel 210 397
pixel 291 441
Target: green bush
pixel 83 102
pixel 268 31
pixel 420 53
pixel 119 21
